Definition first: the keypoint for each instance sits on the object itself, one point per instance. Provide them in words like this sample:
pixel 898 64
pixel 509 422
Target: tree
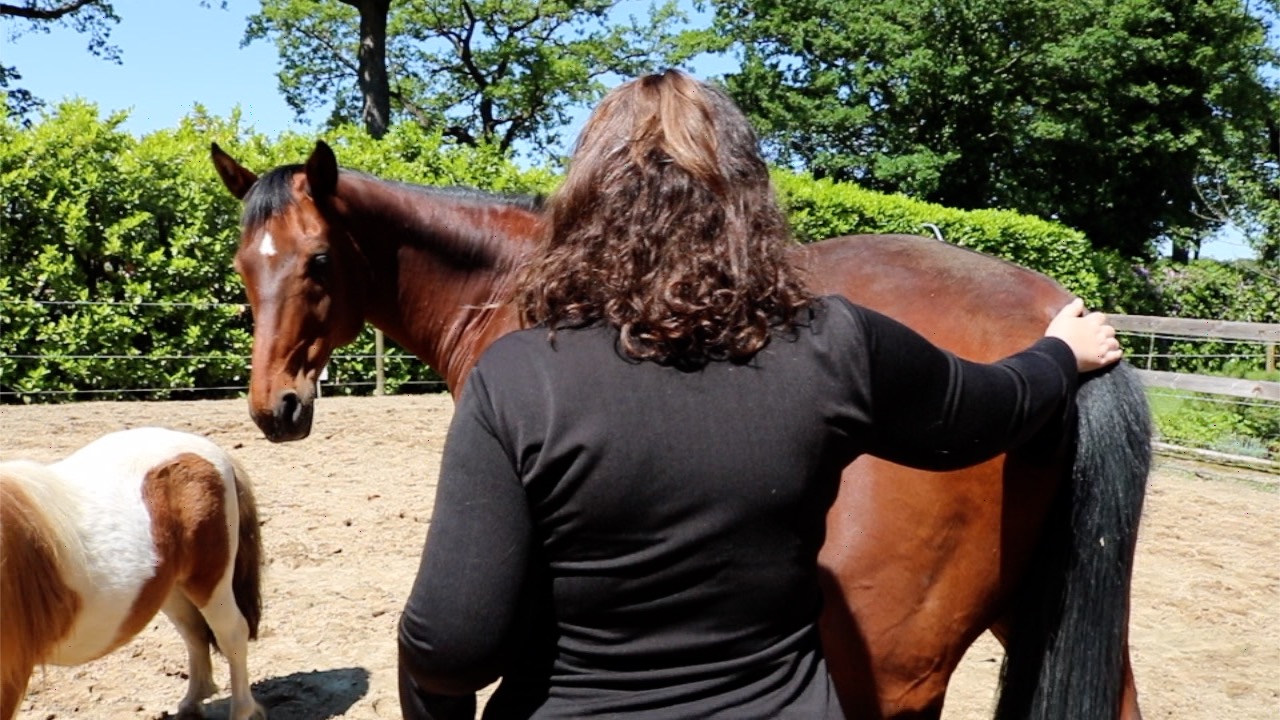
pixel 94 17
pixel 1243 193
pixel 497 71
pixel 1111 116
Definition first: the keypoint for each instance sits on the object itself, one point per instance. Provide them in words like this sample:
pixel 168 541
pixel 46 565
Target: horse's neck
pixel 441 274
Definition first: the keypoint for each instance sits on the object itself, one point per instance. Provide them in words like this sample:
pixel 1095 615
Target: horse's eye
pixel 318 266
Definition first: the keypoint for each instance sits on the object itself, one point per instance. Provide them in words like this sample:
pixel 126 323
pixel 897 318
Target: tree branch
pixel 327 45
pixel 34 13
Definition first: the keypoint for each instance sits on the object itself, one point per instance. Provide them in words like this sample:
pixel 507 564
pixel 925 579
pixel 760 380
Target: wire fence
pixel 343 382
pixel 1145 350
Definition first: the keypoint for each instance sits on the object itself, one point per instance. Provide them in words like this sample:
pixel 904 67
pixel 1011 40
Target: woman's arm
pixel 458 622
pixel 933 410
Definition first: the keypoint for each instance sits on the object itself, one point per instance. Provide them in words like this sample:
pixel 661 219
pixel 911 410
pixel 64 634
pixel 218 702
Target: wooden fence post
pixel 380 378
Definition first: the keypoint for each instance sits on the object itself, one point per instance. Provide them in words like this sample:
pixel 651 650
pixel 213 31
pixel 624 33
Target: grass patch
pixel 1245 428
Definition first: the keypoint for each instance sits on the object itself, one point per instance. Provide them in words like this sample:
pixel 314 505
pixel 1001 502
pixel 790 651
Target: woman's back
pixel 678 517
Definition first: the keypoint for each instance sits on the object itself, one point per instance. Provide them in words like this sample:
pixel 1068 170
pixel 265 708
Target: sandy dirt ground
pixel 345 513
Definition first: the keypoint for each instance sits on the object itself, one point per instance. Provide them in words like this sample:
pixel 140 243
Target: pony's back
pixel 123 457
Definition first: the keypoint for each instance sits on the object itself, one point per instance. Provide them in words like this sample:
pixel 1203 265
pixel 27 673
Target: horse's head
pixel 305 280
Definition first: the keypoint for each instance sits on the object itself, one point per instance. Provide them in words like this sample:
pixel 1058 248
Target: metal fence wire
pixel 1147 342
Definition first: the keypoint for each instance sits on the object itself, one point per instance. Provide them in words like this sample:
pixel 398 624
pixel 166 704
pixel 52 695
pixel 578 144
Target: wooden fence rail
pixel 1266 333
pixel 1194 328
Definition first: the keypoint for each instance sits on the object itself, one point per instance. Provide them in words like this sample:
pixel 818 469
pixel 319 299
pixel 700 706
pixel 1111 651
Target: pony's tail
pixel 1065 657
pixel 246 583
pixel 246 577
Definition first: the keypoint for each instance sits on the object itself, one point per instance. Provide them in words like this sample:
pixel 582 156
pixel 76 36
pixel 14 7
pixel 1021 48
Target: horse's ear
pixel 235 176
pixel 322 171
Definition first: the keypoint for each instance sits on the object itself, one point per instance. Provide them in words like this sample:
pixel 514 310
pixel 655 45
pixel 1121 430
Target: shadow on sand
pixel 315 695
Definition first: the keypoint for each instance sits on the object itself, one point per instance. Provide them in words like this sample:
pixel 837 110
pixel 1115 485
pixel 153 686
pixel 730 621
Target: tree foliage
pixel 496 71
pixel 1112 116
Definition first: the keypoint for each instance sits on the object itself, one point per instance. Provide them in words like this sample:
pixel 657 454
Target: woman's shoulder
pixel 835 313
pixel 527 353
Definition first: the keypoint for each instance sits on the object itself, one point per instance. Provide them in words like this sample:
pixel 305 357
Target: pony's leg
pixel 232 632
pixel 13 688
pixel 191 626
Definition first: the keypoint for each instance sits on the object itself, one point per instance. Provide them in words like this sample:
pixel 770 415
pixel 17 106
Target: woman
pixel 633 490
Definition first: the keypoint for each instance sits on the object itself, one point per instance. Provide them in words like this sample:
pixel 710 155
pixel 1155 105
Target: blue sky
pixel 176 54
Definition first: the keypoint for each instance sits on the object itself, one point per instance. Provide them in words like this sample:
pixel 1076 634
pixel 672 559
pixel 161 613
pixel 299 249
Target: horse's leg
pixel 191 626
pixel 232 632
pixel 1129 709
pixel 879 687
pixel 909 571
pixel 915 565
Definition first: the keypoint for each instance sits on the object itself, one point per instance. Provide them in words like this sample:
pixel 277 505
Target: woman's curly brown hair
pixel 667 228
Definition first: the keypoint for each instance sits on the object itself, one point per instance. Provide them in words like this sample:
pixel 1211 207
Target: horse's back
pixel 975 305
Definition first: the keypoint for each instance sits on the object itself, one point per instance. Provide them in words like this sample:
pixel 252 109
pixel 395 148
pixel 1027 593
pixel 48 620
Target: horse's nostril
pixel 290 407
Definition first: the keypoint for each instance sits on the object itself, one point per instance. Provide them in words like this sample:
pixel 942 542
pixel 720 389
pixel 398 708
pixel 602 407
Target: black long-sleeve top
pixel 629 539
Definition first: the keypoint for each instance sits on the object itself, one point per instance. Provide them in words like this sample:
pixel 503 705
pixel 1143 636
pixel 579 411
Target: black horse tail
pixel 1065 654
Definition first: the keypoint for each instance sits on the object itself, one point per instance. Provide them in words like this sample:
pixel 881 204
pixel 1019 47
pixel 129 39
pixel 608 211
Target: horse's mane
pixel 524 201
pixel 273 192
pixel 270 194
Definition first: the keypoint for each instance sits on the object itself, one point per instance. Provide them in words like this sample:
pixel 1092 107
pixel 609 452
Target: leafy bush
pixel 1207 422
pixel 117 248
pixel 141 232
pixel 1238 291
pixel 93 216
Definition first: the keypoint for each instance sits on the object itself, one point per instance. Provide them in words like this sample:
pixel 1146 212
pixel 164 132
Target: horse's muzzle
pixel 288 419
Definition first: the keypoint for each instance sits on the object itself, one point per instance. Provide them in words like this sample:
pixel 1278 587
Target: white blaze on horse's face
pixel 267 245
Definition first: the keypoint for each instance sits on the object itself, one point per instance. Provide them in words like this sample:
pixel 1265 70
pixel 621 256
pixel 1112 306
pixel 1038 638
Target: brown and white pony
pixel 135 522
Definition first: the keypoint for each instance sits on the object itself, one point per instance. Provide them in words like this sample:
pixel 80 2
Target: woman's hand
pixel 1090 337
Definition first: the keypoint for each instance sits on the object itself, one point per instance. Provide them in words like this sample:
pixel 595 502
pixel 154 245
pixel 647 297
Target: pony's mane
pixel 38 542
pixel 52 498
pixel 273 193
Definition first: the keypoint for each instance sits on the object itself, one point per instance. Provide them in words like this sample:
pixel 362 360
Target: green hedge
pixel 134 237
pixel 94 215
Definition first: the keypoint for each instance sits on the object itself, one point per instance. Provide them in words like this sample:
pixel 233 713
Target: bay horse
pixel 1036 545
pixel 136 522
